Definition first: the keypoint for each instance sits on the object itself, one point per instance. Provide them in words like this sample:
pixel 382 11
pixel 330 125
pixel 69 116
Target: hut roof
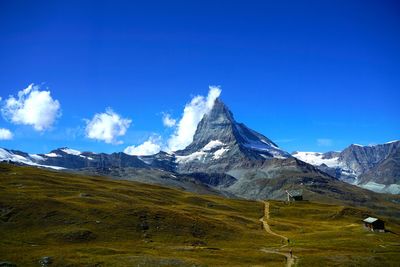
pixel 295 193
pixel 370 220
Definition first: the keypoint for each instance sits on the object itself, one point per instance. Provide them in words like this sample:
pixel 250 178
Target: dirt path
pixel 290 259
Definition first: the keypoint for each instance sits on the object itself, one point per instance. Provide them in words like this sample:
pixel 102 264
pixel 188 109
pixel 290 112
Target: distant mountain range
pixel 375 167
pixel 227 157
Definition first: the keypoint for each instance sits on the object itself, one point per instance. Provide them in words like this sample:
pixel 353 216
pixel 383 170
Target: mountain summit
pixel 220 141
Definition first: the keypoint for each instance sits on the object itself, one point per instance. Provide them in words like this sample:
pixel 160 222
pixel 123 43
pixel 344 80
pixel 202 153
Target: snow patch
pixel 204 152
pixel 270 144
pixel 316 158
pixel 198 155
pixel 52 155
pixel 36 157
pixel 212 144
pixel 218 154
pixel 8 156
pixel 277 154
pixel 85 157
pixel 71 151
pixel 264 147
pixel 148 161
pixel 261 144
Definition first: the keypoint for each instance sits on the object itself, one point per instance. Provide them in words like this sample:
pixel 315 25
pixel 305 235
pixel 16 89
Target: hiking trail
pixel 290 259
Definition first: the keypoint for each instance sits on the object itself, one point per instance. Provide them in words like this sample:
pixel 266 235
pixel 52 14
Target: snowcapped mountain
pixel 229 158
pixel 220 145
pixel 253 165
pixel 375 167
pixel 155 169
pixel 220 142
pixel 25 158
pixel 66 158
pixel 329 163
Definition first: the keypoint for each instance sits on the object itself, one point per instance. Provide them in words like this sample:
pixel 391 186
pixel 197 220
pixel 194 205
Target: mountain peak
pixel 218 126
pixel 219 113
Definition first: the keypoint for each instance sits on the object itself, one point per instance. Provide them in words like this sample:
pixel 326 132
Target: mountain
pixel 375 167
pixel 362 158
pixel 24 158
pixel 228 158
pixel 329 163
pixel 153 170
pixel 220 143
pixel 260 168
pixel 66 158
pixel 384 176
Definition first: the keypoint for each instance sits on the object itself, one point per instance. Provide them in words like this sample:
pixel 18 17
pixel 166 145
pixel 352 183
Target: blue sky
pixel 310 75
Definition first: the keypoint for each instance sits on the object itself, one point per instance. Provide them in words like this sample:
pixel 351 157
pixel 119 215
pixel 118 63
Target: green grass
pixel 94 221
pixel 84 221
pixel 331 235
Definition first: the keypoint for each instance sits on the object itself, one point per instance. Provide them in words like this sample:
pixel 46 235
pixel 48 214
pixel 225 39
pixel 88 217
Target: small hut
pixel 374 224
pixel 294 195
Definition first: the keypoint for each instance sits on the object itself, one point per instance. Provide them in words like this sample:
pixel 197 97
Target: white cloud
pixel 107 127
pixel 32 107
pixel 324 142
pixel 168 121
pixel 5 134
pixel 150 147
pixel 192 115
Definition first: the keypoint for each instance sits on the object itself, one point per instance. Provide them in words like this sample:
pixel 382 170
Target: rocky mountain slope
pixel 384 176
pixel 374 167
pixel 220 143
pixel 152 170
pixel 66 158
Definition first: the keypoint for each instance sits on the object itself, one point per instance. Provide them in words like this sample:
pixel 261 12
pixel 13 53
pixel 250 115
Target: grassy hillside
pixel 95 221
pixel 329 235
pixel 84 221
